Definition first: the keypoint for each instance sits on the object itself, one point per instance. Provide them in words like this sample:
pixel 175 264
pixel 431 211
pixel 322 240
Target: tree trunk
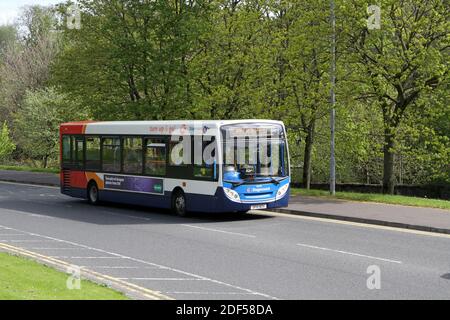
pixel 45 161
pixel 307 156
pixel 388 162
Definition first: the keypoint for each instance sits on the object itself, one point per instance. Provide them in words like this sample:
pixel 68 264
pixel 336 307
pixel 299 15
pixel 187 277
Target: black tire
pixel 179 203
pixel 92 193
pixel 242 211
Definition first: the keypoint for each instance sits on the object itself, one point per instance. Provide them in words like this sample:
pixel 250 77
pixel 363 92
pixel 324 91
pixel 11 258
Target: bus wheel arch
pixel 178 202
pixel 92 192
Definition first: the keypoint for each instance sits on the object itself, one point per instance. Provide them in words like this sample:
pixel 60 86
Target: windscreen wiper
pixel 274 180
pixel 235 184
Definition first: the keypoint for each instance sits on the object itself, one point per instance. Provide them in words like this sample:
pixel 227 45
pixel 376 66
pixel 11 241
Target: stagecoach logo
pixel 157 188
pixel 258 189
pixel 205 129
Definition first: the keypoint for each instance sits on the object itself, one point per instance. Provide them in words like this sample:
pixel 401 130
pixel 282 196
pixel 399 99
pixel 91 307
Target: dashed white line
pixel 164 279
pixel 114 267
pixel 221 231
pixel 49 248
pixel 80 257
pixel 9 240
pixel 189 274
pixel 347 252
pixel 208 293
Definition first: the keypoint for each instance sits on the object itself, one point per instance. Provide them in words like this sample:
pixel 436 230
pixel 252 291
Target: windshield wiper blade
pixel 235 184
pixel 274 180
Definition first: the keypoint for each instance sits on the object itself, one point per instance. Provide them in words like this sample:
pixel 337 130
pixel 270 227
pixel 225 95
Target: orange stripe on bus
pixel 93 176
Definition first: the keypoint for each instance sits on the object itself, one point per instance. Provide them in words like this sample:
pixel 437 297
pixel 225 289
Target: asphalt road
pixel 227 256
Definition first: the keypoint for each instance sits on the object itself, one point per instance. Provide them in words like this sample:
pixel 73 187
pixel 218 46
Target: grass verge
pixel 30 169
pixel 376 197
pixel 24 279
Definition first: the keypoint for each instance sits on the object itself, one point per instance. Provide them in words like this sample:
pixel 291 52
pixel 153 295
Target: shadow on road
pixel 112 213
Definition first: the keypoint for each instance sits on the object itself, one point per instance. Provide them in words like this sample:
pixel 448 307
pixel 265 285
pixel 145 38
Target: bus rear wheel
pixel 179 203
pixel 92 193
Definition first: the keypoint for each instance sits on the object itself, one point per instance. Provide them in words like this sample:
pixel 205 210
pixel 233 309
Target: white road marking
pixel 115 267
pixel 6 240
pixel 347 252
pixel 38 215
pixel 207 293
pixel 164 279
pixel 350 223
pixel 70 257
pixel 149 263
pixel 49 248
pixel 221 231
pixel 13 234
pixel 34 215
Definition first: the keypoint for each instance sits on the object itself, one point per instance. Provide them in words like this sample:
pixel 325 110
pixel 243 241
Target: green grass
pixel 376 197
pixel 24 279
pixel 30 169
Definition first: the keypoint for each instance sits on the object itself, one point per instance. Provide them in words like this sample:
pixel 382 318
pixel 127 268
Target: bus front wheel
pixel 92 193
pixel 179 203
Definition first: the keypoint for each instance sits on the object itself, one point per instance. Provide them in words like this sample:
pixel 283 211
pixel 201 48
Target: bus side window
pixel 66 156
pixel 78 153
pixel 204 157
pixel 111 156
pixel 155 157
pixel 132 155
pixel 92 153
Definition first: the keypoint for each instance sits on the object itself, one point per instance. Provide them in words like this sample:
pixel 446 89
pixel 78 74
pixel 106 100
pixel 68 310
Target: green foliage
pixel 398 64
pixel 224 59
pixel 6 145
pixel 24 279
pixel 8 34
pixel 380 198
pixel 37 122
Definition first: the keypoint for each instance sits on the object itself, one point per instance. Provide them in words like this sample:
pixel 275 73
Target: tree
pixel 26 64
pixel 296 86
pixel 404 60
pixel 227 69
pixel 8 35
pixel 139 48
pixel 37 122
pixel 6 145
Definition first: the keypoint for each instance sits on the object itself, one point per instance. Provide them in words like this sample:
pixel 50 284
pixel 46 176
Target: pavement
pixel 417 218
pixel 41 178
pixel 398 216
pixel 259 255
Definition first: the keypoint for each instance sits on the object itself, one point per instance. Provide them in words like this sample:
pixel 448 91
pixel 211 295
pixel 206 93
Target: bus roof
pixel 153 127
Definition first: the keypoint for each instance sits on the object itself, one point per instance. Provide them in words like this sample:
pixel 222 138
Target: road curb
pixel 47 184
pixel 363 220
pixel 131 290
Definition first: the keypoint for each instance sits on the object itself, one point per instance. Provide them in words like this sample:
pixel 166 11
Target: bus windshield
pixel 254 152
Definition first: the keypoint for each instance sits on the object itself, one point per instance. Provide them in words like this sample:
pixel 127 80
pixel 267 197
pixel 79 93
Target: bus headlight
pixel 282 191
pixel 232 195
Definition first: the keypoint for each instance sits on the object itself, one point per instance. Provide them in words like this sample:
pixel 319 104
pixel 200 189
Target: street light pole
pixel 332 99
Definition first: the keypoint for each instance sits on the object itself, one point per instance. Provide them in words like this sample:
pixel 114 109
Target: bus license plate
pixel 258 206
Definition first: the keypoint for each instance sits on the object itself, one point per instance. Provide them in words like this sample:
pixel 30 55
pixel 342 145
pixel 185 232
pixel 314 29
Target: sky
pixel 10 9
